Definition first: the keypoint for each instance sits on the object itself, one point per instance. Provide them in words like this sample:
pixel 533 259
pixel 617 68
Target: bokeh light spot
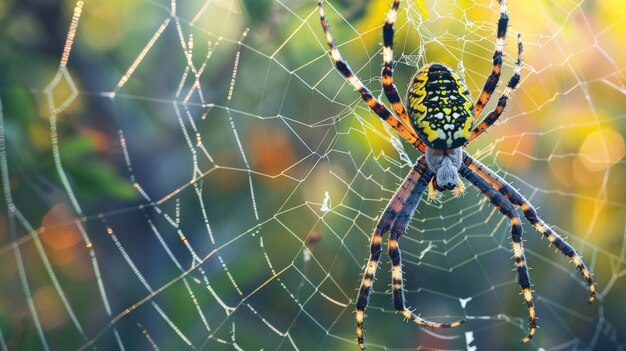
pixel 601 149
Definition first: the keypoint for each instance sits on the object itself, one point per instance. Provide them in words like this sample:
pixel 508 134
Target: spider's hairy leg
pixel 401 205
pixel 494 77
pixel 376 106
pixel 531 215
pixel 390 213
pixel 391 92
pixel 400 227
pixel 507 209
pixel 513 83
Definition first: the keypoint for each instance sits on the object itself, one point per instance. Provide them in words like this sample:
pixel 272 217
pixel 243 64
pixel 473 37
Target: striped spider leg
pixel 395 218
pixel 391 92
pixel 504 197
pixel 507 209
pixel 513 83
pixel 492 80
pixel 405 130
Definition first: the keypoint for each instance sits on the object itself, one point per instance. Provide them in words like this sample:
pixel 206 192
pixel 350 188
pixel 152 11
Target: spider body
pixel 438 122
pixel 440 107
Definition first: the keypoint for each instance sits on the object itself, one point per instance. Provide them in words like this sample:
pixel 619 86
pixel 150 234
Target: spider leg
pixel 384 223
pixel 513 83
pixel 397 212
pixel 381 110
pixel 400 227
pixel 492 79
pixel 531 215
pixel 507 209
pixel 391 92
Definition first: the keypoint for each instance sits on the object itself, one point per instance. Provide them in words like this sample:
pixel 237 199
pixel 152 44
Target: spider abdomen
pixel 440 107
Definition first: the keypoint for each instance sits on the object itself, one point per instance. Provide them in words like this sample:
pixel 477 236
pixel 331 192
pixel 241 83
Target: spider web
pixel 228 179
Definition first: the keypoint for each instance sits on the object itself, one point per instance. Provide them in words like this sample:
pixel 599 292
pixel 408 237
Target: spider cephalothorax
pixel 438 123
pixel 440 107
pixel 445 164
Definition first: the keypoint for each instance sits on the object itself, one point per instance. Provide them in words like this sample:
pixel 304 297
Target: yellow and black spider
pixel 438 122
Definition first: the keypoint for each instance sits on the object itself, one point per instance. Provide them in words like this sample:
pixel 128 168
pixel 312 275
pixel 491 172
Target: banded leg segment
pixel 513 83
pixel 532 216
pixel 494 77
pixel 507 209
pixel 395 206
pixel 373 103
pixel 400 227
pixel 391 92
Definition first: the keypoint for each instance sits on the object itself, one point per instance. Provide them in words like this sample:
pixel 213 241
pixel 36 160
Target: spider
pixel 438 122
